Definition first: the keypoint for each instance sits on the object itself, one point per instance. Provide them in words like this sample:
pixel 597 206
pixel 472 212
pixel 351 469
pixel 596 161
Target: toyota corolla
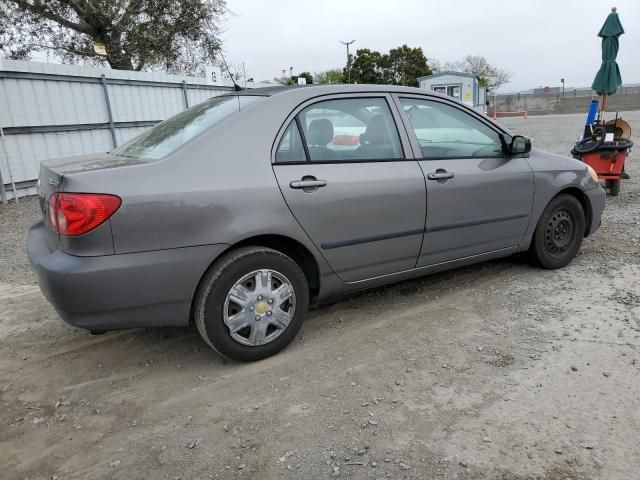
pixel 242 212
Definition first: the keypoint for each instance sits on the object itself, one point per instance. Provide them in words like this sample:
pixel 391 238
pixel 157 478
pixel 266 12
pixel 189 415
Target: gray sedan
pixel 241 212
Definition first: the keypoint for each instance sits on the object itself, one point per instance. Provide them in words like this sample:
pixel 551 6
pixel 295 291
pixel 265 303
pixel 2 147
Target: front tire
pixel 559 233
pixel 251 303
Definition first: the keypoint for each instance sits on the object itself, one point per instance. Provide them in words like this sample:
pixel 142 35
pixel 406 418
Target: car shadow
pixel 183 345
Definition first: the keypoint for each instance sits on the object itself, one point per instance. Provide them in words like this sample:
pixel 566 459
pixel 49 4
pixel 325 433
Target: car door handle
pixel 440 175
pixel 304 184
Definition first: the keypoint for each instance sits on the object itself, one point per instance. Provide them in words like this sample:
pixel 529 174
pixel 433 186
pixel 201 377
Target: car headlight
pixel 592 172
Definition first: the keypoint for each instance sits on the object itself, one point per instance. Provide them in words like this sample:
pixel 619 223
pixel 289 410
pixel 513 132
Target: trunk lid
pixel 69 165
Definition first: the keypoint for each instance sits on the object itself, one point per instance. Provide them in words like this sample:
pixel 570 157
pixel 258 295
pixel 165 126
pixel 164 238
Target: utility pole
pixel 348 59
pixel 562 81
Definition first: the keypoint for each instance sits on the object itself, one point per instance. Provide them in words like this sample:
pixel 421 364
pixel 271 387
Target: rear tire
pixel 251 303
pixel 559 233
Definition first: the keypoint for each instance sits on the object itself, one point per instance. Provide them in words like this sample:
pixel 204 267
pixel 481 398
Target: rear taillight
pixel 73 214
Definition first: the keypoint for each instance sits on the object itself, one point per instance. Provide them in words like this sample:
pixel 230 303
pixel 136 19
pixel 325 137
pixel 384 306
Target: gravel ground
pixel 15 221
pixel 495 371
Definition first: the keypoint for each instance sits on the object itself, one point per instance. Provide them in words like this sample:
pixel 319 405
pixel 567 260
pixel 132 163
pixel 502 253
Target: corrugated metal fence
pixel 50 110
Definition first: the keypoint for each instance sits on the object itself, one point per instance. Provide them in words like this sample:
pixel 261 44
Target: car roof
pixel 314 90
pixel 288 96
pixel 263 91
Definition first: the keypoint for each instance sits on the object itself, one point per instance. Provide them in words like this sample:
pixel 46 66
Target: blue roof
pixel 441 74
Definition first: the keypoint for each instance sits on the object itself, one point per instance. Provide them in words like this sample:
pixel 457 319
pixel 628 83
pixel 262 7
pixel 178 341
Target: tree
pixel 401 66
pixel 406 64
pixel 176 36
pixel 489 76
pixel 284 80
pixel 367 66
pixel 307 76
pixel 4 29
pixel 232 71
pixel 10 44
pixel 434 65
pixel 331 76
pixel 293 80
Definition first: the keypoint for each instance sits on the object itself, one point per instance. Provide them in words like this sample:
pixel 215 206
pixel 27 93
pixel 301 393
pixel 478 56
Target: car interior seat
pixel 375 142
pixel 319 135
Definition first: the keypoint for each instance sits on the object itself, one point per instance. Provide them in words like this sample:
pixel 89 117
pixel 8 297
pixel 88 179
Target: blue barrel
pixel 593 112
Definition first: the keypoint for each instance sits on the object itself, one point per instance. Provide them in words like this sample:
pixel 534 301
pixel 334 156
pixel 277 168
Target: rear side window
pixel 350 129
pixel 167 136
pixel 291 148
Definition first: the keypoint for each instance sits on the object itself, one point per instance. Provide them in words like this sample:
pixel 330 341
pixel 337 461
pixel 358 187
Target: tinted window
pixel 291 148
pixel 167 136
pixel 444 131
pixel 351 129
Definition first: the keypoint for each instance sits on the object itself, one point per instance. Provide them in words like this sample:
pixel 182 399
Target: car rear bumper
pixel 596 197
pixel 120 291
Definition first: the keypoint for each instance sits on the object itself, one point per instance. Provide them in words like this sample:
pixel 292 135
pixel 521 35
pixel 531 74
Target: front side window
pixel 167 136
pixel 444 131
pixel 350 129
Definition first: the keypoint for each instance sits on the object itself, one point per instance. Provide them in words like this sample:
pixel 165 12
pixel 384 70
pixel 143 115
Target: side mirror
pixel 519 145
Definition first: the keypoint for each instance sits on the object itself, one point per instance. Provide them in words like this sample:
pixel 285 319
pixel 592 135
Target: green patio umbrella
pixel 608 78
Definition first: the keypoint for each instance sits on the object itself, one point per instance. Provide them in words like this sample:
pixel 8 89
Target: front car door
pixel 342 170
pixel 479 199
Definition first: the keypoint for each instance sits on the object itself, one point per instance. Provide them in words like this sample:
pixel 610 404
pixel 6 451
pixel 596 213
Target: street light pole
pixel 348 59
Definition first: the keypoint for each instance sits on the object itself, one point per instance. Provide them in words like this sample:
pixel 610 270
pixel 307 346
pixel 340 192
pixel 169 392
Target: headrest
pixel 376 131
pixel 320 132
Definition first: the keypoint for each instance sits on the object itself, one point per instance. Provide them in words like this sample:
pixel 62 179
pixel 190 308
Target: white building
pixel 463 86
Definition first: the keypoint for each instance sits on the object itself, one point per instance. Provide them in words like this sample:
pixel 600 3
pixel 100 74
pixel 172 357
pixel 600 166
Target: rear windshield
pixel 167 136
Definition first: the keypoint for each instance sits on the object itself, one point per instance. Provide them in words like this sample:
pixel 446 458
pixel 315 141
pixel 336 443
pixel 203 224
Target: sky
pixel 538 41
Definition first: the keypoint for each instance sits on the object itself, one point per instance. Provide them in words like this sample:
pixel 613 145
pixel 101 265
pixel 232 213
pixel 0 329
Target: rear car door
pixel 479 199
pixel 341 167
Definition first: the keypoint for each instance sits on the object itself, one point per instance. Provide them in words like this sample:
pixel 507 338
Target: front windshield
pixel 167 136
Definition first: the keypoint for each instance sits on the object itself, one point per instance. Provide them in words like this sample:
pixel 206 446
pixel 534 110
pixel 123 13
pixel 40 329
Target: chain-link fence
pixel 546 101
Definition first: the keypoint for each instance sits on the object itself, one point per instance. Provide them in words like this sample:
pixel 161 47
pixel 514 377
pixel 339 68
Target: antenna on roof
pixel 236 87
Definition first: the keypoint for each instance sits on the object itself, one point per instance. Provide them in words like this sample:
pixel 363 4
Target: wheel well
pixel 584 201
pixel 293 249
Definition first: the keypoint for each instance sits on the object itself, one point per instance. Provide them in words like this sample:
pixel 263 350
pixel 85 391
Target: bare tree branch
pixel 490 76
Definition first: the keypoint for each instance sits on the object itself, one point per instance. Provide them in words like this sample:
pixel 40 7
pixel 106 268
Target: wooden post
pixel 603 107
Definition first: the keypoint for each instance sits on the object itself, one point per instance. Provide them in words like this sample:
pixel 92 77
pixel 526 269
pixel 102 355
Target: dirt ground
pixel 496 371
